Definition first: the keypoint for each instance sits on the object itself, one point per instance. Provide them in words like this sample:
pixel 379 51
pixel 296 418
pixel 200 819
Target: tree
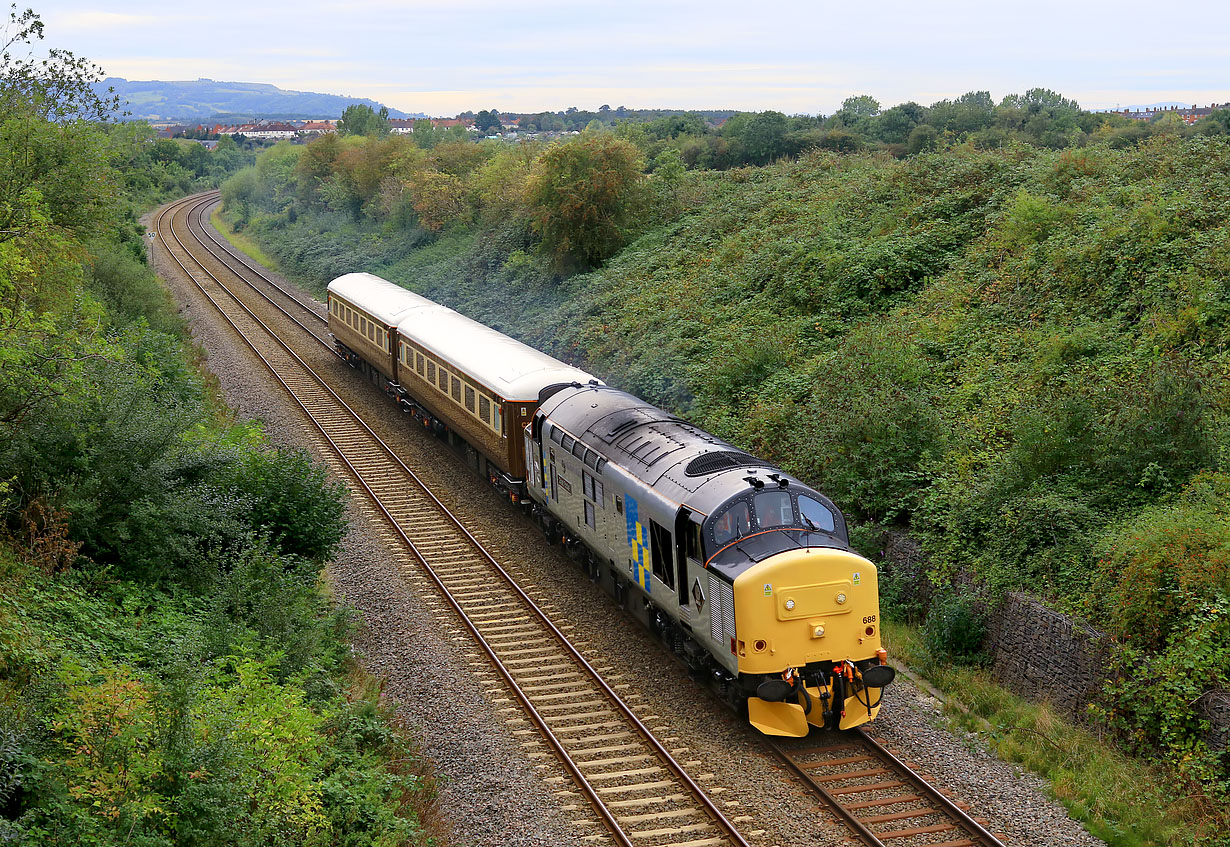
pixel 488 121
pixel 57 87
pixel 764 137
pixel 583 196
pixel 894 126
pixel 361 119
pixel 860 106
pixel 971 112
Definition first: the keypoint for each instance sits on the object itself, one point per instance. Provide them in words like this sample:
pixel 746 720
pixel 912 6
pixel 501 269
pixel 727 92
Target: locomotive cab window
pixel 815 514
pixel 733 523
pixel 773 508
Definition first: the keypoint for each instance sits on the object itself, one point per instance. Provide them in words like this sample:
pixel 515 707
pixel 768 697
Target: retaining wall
pixel 1042 654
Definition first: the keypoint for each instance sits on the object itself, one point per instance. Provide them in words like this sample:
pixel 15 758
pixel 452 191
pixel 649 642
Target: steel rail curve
pixel 729 834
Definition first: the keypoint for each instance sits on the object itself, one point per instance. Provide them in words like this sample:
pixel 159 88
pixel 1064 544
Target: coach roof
pixel 513 370
pixel 383 300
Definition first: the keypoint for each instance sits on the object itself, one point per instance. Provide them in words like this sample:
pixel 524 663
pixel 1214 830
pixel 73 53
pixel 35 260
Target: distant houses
pixel 1188 116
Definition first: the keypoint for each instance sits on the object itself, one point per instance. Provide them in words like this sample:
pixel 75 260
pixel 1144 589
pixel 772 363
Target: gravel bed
pixel 458 705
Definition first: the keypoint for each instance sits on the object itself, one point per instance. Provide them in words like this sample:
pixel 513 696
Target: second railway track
pixel 636 788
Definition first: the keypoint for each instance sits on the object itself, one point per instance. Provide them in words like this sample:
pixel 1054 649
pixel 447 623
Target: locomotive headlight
pixel 841 597
pixel 818 631
pixel 789 604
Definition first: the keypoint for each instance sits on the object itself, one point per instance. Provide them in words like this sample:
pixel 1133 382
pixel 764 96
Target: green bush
pixel 291 500
pixel 956 628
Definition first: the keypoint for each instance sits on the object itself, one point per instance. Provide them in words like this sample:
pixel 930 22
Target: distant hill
pixel 199 100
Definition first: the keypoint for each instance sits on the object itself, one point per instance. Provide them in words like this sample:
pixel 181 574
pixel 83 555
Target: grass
pixel 1122 800
pixel 245 244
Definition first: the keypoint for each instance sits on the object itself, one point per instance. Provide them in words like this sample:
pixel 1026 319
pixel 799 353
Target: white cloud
pixel 91 20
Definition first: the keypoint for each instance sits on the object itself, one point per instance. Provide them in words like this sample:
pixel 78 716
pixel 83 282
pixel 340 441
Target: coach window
pixel 418 362
pixel 815 514
pixel 470 398
pixel 499 420
pixel 484 409
pixel 431 372
pixel 443 383
pixel 457 389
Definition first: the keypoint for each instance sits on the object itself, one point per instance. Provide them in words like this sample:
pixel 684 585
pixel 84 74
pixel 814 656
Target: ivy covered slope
pixel 1016 354
pixel 171 671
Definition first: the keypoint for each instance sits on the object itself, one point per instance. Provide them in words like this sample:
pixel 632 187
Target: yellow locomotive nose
pixel 803 606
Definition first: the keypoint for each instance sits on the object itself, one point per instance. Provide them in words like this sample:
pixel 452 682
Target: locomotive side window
pixel 815 515
pixel 692 543
pixel 773 508
pixel 660 548
pixel 734 523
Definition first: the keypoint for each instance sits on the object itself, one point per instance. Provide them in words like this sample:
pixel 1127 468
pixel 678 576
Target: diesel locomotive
pixel 743 570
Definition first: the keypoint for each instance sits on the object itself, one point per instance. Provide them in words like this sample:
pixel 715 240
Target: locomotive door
pixel 533 453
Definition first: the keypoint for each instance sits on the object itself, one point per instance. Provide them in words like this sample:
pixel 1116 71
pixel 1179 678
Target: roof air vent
pixel 721 460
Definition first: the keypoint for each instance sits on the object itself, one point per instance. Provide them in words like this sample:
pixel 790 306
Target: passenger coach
pixel 467 380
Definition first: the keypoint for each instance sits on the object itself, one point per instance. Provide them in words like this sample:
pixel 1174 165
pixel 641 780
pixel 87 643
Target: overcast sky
pixel 796 57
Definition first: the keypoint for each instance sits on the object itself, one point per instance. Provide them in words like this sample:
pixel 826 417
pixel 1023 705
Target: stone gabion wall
pixel 1042 654
pixel 1215 708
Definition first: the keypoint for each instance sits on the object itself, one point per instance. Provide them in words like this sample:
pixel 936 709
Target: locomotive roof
pixel 513 370
pixel 682 461
pixel 386 301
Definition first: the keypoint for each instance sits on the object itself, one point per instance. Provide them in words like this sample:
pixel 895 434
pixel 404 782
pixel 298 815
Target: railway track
pixel 880 798
pixel 639 792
